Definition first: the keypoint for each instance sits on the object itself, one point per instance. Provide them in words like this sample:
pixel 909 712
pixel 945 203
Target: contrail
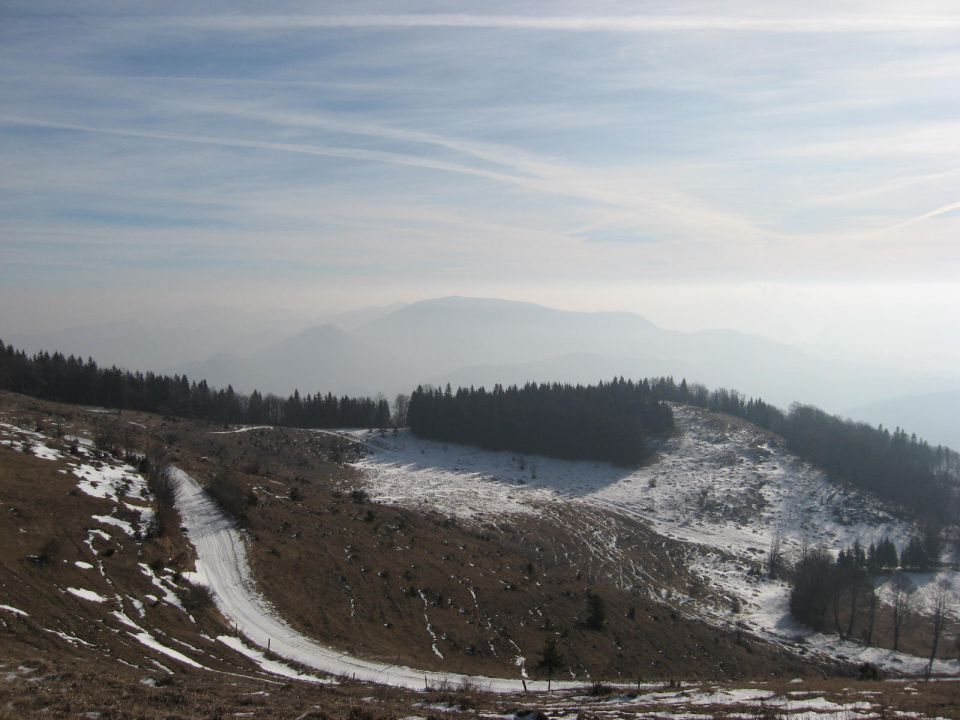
pixel 322 150
pixel 570 185
pixel 920 218
pixel 617 24
pixel 889 187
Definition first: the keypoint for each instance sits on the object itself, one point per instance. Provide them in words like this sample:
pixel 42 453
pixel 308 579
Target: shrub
pixel 596 612
pixel 598 689
pixel 196 599
pixel 359 496
pixel 155 468
pixel 228 492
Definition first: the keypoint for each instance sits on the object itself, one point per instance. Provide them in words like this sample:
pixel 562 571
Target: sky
pixel 788 169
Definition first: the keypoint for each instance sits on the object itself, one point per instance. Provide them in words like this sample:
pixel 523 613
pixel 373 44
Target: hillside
pixel 721 488
pixel 460 561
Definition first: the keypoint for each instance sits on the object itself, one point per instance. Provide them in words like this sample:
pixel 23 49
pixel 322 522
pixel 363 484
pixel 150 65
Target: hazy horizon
pixel 803 323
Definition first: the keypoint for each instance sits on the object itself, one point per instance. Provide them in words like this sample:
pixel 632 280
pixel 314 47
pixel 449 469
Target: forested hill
pixel 613 422
pixel 895 466
pixel 609 421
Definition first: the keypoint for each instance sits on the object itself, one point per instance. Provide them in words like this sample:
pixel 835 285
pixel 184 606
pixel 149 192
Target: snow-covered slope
pixel 719 481
pixel 721 486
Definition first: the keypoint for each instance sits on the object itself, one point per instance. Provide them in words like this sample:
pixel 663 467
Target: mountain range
pixel 476 341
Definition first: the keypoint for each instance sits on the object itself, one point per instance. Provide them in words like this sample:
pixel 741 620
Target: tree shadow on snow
pixel 569 478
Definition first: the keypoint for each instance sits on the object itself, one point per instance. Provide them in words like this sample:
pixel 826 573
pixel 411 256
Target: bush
pixel 228 492
pixel 155 468
pixel 359 496
pixel 596 612
pixel 196 599
pixel 108 438
pixel 599 689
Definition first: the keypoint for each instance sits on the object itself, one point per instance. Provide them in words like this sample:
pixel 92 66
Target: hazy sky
pixel 785 168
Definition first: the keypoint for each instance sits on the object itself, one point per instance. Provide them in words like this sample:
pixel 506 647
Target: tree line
pixel 70 379
pixel 892 465
pixel 609 421
pixel 840 595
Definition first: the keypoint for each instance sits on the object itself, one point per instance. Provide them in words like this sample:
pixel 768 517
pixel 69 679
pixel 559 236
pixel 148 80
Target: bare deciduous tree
pixel 938 620
pixel 401 404
pixel 871 612
pixel 775 556
pixel 902 603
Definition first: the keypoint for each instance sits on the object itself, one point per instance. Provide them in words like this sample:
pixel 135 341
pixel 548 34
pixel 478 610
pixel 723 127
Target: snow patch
pixel 163 584
pixel 86 594
pixel 271 666
pixel 145 638
pixel 116 522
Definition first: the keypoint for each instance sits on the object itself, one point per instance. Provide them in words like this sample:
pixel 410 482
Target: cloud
pixel 603 187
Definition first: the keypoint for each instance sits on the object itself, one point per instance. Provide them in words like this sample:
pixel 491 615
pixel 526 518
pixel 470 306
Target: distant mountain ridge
pixel 472 341
pixel 480 341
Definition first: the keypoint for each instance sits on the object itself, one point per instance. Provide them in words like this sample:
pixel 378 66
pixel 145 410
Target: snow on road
pixel 222 565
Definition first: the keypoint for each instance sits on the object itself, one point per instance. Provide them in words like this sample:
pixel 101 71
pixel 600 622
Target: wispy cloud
pixel 861 23
pixel 530 173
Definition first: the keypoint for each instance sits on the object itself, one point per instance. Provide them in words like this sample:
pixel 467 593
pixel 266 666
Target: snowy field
pixel 718 484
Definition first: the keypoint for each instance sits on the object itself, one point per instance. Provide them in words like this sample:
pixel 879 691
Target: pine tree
pixel 551 660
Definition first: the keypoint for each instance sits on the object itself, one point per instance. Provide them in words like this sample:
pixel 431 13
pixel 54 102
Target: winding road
pixel 222 564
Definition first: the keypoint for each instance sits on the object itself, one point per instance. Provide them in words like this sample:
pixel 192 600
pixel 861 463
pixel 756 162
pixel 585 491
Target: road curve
pixel 222 563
